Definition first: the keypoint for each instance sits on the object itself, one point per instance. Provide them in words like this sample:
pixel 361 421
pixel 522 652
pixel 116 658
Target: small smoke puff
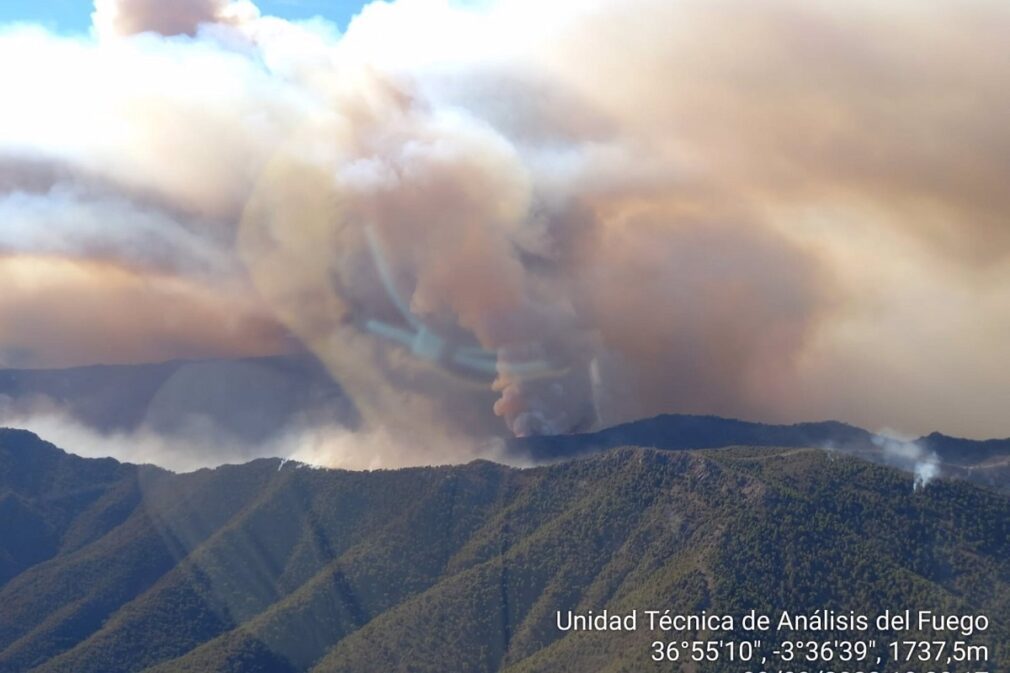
pixel 911 456
pixel 925 472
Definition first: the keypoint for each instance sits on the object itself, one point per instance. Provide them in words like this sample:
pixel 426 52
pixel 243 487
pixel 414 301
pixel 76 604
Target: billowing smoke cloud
pixel 179 17
pixel 560 214
pixel 58 312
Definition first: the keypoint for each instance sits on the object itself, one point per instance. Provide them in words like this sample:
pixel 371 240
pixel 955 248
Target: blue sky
pixel 74 16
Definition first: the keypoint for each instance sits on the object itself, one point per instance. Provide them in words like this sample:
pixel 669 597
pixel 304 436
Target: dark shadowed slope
pixel 52 502
pixel 277 568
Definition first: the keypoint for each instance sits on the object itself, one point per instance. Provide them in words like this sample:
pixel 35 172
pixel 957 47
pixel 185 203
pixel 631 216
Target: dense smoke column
pixel 665 229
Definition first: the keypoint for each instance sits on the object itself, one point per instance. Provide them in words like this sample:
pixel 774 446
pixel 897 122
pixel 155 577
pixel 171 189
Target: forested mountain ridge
pixel 272 566
pixel 985 462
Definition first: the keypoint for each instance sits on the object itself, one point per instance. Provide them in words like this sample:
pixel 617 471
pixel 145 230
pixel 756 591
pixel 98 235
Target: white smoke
pixel 910 456
pixel 202 443
pixel 707 198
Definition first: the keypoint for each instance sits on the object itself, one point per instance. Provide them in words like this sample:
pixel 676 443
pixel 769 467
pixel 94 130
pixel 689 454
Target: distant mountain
pixel 958 451
pixel 248 398
pixel 677 431
pixel 986 462
pixel 254 400
pixel 273 567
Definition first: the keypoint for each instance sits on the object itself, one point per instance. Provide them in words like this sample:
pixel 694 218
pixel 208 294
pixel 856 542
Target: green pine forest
pixel 273 567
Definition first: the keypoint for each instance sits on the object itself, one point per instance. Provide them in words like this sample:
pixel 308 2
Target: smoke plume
pixel 542 216
pixel 910 456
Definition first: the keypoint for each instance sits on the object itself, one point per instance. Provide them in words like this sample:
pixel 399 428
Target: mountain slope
pixel 278 568
pixel 53 503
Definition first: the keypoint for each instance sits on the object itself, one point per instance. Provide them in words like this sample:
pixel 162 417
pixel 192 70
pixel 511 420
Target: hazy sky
pixel 788 210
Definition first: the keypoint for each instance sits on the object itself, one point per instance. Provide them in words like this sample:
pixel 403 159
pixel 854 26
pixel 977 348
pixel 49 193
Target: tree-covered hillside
pixel 273 567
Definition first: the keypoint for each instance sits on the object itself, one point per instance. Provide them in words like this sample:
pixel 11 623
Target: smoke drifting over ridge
pixel 788 210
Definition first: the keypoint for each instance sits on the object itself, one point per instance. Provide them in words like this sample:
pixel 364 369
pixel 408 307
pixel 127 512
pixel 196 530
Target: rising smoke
pixel 911 456
pixel 558 214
